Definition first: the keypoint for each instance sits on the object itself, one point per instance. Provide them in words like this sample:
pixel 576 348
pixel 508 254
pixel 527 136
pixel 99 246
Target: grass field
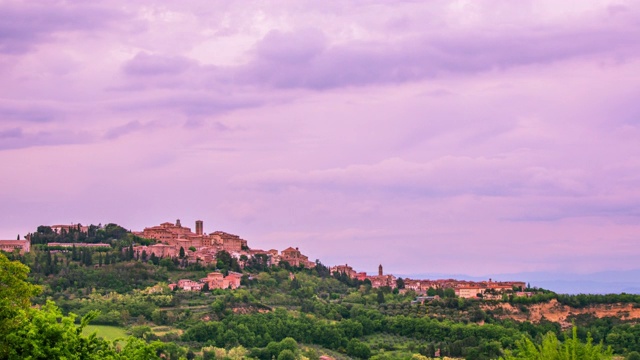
pixel 106 332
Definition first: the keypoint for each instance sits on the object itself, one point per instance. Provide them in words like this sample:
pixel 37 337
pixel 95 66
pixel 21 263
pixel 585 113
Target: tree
pixel 358 349
pixel 380 297
pixel 15 295
pixel 182 254
pixel 154 259
pixel 552 348
pixel 400 283
pixel 286 355
pixel 634 355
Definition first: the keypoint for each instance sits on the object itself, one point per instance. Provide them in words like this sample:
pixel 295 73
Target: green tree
pixel 15 296
pixel 552 348
pixel 358 349
pixel 634 355
pixel 286 354
pixel 182 254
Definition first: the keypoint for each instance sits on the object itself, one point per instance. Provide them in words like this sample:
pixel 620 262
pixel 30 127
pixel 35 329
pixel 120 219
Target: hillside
pixel 248 307
pixel 562 314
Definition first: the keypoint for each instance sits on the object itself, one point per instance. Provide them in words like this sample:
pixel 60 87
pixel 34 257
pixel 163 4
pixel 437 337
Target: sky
pixel 457 137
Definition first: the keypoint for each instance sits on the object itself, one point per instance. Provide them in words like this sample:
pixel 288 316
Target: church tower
pixel 199 227
pixel 380 270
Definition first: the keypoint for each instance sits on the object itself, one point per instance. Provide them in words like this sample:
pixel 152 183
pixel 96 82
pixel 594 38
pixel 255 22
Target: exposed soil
pixel 556 312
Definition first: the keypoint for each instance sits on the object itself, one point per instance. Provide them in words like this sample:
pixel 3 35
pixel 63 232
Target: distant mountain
pixel 604 282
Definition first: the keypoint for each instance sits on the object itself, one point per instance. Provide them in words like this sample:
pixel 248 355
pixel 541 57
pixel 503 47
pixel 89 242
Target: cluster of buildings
pixel 174 240
pixel 377 281
pixel 214 280
pixel 201 247
pixel 464 289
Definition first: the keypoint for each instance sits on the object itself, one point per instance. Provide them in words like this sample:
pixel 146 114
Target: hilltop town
pixel 173 240
pixel 211 295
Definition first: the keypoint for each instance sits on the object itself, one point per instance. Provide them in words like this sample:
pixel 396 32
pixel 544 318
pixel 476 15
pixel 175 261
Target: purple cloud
pixel 28 112
pixel 149 65
pixel 305 59
pixel 450 129
pixel 11 133
pixel 23 25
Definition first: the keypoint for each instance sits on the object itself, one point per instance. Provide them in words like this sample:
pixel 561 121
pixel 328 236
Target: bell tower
pixel 380 270
pixel 199 227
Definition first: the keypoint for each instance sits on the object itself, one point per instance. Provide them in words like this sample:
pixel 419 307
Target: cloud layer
pixel 452 136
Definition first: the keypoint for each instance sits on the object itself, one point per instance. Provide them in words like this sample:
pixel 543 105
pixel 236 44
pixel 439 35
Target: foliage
pixel 15 297
pixel 552 349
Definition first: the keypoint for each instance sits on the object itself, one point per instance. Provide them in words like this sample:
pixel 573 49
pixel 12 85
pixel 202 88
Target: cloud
pixel 443 177
pixel 19 139
pixel 125 129
pixel 24 25
pixel 305 59
pixel 144 64
pixel 11 133
pixel 33 112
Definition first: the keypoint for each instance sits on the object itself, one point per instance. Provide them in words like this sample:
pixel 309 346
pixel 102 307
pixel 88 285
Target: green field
pixel 106 332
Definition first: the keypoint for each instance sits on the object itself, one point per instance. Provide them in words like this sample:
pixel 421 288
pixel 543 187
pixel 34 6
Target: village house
pixel 469 292
pixel 23 246
pixel 158 250
pixel 344 269
pixel 295 258
pixel 217 280
pixel 187 285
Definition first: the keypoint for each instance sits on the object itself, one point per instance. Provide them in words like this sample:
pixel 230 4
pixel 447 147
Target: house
pixel 344 269
pixel 217 280
pixel 469 292
pixel 23 246
pixel 295 258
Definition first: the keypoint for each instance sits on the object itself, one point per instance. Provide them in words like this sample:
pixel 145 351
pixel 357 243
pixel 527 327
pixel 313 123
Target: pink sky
pixel 442 136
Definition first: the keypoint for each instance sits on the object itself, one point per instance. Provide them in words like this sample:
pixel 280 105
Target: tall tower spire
pixel 380 270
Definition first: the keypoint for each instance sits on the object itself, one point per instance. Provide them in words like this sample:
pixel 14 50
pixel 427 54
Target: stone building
pixel 23 246
pixel 295 258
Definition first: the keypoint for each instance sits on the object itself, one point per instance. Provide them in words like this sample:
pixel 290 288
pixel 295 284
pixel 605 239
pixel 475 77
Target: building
pixel 23 246
pixel 229 242
pixel 182 236
pixel 217 280
pixel 165 231
pixel 344 269
pixel 295 258
pixel 469 292
pixel 187 285
pixel 159 250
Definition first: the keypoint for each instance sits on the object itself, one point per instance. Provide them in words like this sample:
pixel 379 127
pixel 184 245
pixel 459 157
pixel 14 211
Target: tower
pixel 178 223
pixel 380 270
pixel 199 227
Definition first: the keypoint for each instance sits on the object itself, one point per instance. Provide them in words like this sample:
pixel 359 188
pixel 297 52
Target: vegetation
pixel 280 312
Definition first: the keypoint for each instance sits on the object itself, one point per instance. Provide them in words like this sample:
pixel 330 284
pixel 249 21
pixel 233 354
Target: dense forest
pixel 51 294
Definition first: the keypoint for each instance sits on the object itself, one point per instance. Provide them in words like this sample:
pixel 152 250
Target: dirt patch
pixel 556 312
